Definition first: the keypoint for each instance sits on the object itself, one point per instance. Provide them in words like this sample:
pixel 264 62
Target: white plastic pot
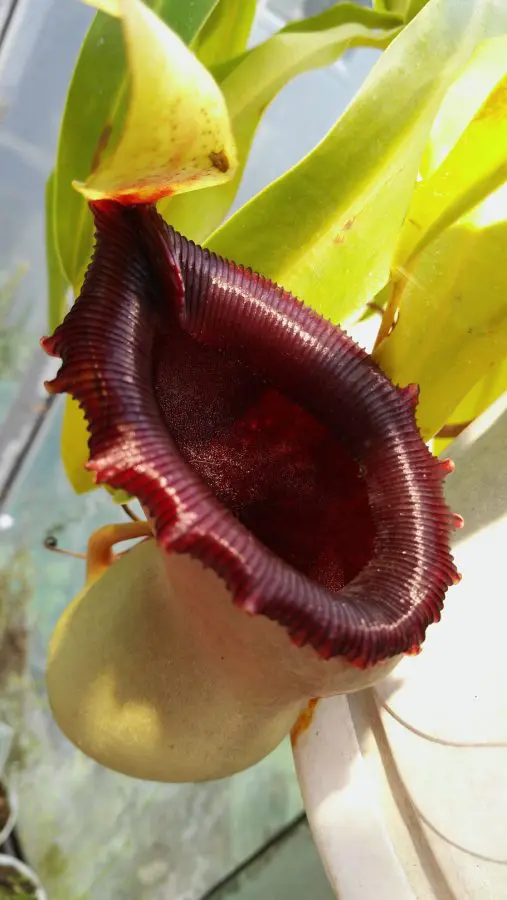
pixel 13 862
pixel 410 801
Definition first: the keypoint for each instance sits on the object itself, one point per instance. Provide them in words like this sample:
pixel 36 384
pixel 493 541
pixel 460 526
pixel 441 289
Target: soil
pixel 4 806
pixel 16 886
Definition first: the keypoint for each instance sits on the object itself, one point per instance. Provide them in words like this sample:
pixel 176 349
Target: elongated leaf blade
pixel 226 32
pixel 405 8
pixel 251 82
pixel 472 167
pixel 57 283
pixel 414 7
pixel 391 6
pixel 75 453
pixel 334 219
pixel 452 326
pixel 490 387
pixel 74 447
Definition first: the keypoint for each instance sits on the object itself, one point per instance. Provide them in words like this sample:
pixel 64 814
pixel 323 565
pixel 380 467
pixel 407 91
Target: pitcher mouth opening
pixel 260 438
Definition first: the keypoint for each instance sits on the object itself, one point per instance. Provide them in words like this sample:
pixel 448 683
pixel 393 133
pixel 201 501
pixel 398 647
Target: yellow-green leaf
pixel 75 453
pixel 57 283
pixel 452 327
pixel 405 8
pixel 226 32
pixel 74 447
pixel 482 395
pixel 93 119
pixel 473 166
pixel 392 6
pixel 250 83
pixel 328 228
pixel 414 7
pixel 177 135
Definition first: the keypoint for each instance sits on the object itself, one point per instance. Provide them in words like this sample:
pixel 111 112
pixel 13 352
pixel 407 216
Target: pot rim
pixel 12 861
pixel 12 799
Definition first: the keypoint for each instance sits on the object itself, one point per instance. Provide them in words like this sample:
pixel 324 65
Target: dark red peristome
pixel 261 439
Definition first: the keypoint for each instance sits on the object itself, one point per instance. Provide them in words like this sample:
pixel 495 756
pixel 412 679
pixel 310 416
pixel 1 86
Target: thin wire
pixel 498 860
pixel 472 745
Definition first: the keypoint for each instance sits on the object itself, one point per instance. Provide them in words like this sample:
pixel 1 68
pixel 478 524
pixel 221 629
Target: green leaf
pixel 57 283
pixel 413 8
pixel 452 327
pixel 459 175
pixel 327 229
pixel 176 135
pixel 93 116
pixel 74 447
pixel 226 32
pixel 482 395
pixel 250 83
pixel 407 9
pixel 74 450
pixel 391 6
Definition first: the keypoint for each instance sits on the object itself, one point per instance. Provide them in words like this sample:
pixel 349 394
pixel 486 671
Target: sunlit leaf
pixel 93 117
pixel 482 395
pixel 452 327
pixel 334 219
pixel 57 283
pixel 405 8
pixel 414 7
pixel 74 450
pixel 476 164
pixel 392 6
pixel 251 82
pixel 462 102
pixel 74 447
pixel 226 32
pixel 177 135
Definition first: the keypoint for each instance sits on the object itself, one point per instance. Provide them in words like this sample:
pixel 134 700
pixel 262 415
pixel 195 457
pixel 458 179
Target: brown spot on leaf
pixel 496 104
pixel 101 145
pixel 340 237
pixel 303 721
pixel 219 160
